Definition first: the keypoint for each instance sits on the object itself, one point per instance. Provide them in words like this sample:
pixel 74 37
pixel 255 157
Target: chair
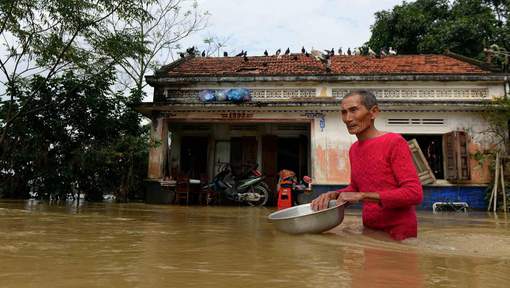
pixel 205 192
pixel 182 188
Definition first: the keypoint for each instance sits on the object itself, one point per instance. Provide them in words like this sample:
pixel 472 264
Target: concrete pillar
pixel 159 147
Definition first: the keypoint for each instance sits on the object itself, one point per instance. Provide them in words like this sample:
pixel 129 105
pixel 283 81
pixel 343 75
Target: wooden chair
pixel 182 188
pixel 203 193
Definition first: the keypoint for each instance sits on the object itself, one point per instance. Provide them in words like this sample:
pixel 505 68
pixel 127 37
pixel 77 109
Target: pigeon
pixel 382 52
pixel 316 54
pixel 266 53
pixel 392 52
pixel 332 51
pixel 181 54
pixel 287 52
pixel 203 53
pixel 240 53
pixel 303 50
pixel 191 50
pixel 349 51
pixel 371 52
pixel 225 54
pixel 278 52
pixel 340 51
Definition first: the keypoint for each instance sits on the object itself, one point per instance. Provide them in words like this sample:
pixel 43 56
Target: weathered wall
pixel 330 144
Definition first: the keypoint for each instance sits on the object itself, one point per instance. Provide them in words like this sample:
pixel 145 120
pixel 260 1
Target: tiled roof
pixel 300 64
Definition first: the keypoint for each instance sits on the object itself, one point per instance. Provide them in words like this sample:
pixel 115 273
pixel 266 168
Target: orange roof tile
pixel 300 64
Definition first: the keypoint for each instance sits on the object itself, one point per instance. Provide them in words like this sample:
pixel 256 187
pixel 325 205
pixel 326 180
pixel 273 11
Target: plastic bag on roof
pixel 221 95
pixel 238 95
pixel 206 96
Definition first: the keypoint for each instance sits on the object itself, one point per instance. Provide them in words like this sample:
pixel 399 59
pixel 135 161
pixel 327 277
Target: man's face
pixel 355 115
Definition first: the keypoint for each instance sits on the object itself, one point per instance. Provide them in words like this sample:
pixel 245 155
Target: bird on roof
pixel 391 51
pixel 287 52
pixel 182 54
pixel 307 54
pixel 332 52
pixel 191 51
pixel 278 52
pixel 240 53
pixel 382 52
pixel 316 54
pixel 303 50
pixel 349 51
pixel 266 53
pixel 371 52
pixel 340 51
pixel 225 54
pixel 203 53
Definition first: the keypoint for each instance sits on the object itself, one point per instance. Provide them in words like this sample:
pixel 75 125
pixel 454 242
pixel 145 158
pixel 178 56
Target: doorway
pixel 194 156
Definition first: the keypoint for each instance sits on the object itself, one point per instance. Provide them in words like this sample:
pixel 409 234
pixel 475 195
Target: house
pixel 293 120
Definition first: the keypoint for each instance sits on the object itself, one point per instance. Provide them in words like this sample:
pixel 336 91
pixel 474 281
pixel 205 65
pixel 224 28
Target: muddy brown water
pixel 139 245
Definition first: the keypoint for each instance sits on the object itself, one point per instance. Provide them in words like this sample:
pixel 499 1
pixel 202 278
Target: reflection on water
pixel 138 245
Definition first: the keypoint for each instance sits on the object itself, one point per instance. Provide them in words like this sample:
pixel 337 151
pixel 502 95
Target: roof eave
pixel 158 80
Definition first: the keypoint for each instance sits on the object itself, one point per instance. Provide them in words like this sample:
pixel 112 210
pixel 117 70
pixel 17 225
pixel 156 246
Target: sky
pixel 256 25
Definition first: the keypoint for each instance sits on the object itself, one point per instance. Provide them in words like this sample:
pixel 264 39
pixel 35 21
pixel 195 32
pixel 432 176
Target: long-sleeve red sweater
pixel 384 165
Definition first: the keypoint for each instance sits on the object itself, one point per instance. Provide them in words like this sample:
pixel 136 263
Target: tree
pixel 60 123
pixel 432 26
pixel 169 22
pixel 49 37
pixel 79 143
pixel 63 128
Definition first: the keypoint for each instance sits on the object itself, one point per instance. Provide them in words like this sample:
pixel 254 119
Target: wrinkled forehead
pixel 351 101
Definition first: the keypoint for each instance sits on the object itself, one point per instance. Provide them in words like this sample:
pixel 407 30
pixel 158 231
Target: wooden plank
pixel 420 162
pixel 503 187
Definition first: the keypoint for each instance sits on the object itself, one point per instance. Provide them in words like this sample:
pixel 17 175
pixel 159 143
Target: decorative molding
pixel 257 94
pixel 420 93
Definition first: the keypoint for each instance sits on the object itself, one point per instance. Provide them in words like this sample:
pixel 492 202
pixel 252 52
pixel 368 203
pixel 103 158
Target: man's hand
pixel 351 197
pixel 322 201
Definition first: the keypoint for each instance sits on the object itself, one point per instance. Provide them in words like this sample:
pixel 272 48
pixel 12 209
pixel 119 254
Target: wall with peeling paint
pixel 330 150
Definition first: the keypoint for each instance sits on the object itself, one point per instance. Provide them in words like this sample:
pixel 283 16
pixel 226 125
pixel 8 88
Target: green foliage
pixel 62 129
pixel 432 26
pixel 82 138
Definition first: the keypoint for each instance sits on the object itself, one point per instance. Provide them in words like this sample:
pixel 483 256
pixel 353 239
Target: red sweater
pixel 384 164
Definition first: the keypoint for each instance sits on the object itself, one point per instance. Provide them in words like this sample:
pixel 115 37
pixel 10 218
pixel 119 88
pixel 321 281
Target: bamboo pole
pixel 494 195
pixel 503 187
pixel 495 204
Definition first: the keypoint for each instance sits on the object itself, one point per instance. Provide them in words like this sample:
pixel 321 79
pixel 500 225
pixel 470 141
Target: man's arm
pixel 409 191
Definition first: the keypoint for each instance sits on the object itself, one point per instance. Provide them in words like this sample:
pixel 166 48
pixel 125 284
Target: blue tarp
pixel 236 95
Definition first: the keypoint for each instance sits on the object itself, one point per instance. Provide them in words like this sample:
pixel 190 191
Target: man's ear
pixel 374 112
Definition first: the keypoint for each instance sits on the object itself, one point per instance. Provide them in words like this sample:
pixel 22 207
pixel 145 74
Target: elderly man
pixel 383 176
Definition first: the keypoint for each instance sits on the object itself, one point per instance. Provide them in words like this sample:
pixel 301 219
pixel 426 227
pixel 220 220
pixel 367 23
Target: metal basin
pixel 302 219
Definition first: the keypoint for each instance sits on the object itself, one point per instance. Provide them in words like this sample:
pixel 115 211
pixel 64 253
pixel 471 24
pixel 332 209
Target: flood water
pixel 139 245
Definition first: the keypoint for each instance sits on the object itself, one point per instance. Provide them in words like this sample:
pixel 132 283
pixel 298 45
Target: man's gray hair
pixel 367 98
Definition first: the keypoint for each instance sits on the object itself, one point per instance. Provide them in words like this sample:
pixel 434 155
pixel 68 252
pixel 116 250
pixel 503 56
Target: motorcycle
pixel 248 188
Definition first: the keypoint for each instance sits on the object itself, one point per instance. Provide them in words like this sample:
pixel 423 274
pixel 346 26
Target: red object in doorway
pixel 285 186
pixel 284 197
